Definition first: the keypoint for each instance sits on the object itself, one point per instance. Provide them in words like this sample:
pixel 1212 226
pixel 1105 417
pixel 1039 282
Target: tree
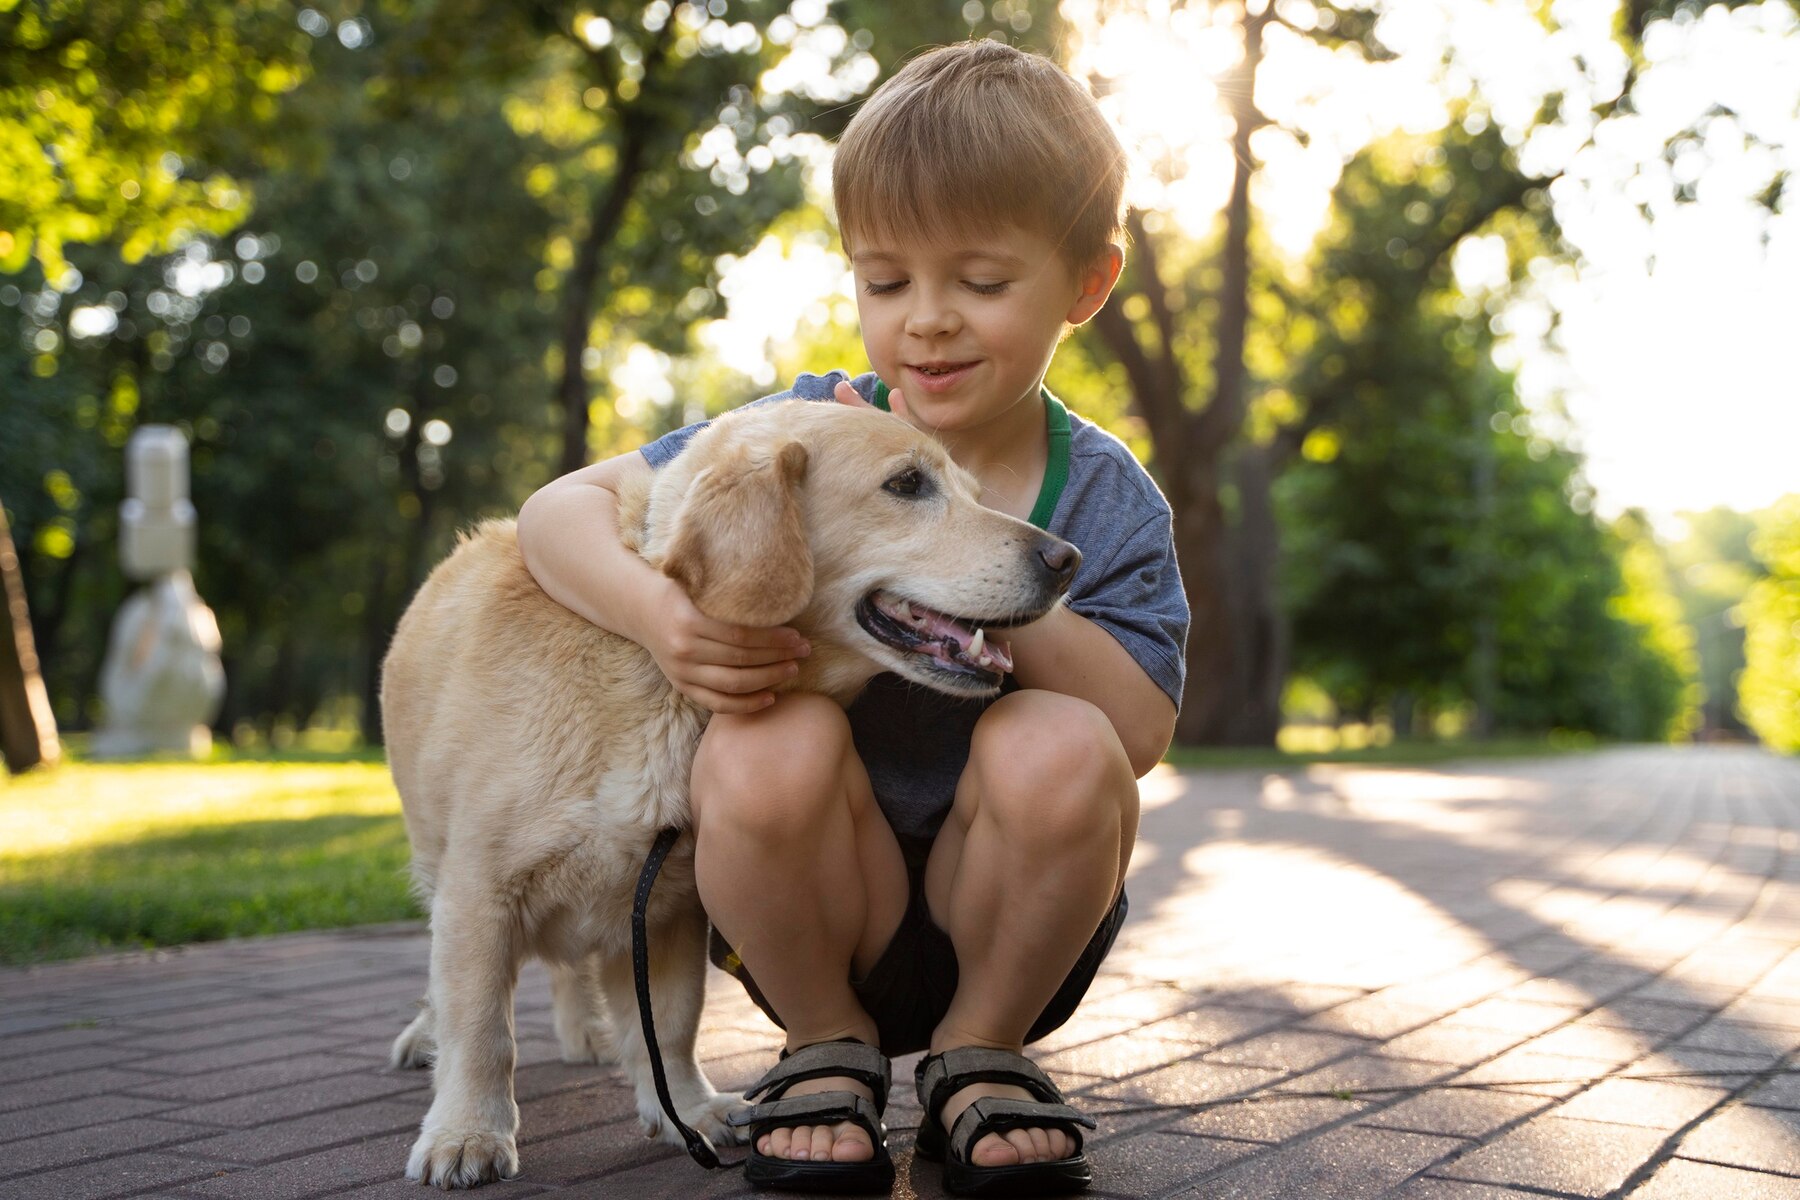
pixel 1201 347
pixel 1769 693
pixel 105 103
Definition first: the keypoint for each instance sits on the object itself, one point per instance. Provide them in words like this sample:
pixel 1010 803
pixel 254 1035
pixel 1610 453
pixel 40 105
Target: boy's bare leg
pixel 802 875
pixel 1026 865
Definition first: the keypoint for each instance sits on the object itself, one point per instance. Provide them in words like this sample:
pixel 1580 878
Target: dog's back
pixel 504 713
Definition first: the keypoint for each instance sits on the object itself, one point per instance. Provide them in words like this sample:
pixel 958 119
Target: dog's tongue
pixel 945 635
pixel 970 644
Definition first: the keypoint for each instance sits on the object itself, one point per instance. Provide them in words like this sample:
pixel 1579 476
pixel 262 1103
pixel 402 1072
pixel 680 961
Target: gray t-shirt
pixel 915 742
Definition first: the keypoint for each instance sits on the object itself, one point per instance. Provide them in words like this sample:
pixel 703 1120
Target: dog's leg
pixel 677 993
pixel 417 1045
pixel 582 1029
pixel 467 1137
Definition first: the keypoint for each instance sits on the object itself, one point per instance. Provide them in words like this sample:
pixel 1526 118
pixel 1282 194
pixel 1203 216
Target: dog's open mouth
pixel 959 645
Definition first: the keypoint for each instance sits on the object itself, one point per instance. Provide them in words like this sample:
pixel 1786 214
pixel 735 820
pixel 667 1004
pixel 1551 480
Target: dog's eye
pixel 910 482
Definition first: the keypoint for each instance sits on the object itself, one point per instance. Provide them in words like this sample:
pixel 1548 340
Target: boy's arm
pixel 1065 652
pixel 569 537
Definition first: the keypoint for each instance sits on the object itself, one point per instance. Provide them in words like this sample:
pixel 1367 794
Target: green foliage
pixel 1769 692
pixel 108 109
pixel 1440 556
pixel 1714 571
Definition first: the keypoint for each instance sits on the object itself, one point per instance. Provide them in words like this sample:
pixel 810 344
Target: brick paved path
pixel 1571 977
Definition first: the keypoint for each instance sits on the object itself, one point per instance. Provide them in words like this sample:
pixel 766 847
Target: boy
pixel 930 873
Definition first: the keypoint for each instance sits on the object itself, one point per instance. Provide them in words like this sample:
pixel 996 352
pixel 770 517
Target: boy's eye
pixel 985 289
pixel 883 289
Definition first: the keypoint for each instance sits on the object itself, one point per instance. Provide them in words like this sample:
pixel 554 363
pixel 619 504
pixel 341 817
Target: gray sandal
pixel 939 1076
pixel 822 1060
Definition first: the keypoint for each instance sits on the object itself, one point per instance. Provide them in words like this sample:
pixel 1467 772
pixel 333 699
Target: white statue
pixel 162 680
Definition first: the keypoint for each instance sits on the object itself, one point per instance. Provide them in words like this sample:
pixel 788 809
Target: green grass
pixel 1402 754
pixel 121 856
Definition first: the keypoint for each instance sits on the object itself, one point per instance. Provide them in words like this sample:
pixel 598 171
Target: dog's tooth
pixel 977 642
pixel 984 661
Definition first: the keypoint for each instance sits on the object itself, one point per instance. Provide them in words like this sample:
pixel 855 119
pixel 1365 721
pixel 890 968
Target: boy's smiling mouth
pixel 940 375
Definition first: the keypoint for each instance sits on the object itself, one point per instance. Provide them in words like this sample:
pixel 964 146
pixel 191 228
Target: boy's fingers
pixel 897 405
pixel 719 702
pixel 741 681
pixel 845 394
pixel 750 637
pixel 730 654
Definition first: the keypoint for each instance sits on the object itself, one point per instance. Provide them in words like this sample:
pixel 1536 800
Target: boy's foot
pixel 844 1142
pixel 999 1125
pixel 818 1127
pixel 1016 1145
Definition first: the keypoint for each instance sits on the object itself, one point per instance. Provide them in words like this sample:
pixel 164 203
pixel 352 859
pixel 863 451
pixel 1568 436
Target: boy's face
pixel 965 326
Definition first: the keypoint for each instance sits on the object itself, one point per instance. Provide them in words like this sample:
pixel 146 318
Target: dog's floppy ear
pixel 739 546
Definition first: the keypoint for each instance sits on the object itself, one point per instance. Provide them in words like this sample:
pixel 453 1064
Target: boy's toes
pixel 999 1150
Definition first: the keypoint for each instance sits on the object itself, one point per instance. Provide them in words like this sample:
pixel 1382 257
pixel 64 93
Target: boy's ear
pixel 1097 280
pixel 739 546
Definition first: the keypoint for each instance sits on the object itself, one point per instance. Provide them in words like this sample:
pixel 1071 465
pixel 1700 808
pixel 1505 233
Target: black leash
pixel 697 1146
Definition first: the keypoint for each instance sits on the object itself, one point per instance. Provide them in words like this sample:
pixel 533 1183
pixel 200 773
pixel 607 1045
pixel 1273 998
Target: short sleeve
pixel 1137 597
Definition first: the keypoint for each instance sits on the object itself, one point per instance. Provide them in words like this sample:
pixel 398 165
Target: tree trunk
pixel 578 303
pixel 27 726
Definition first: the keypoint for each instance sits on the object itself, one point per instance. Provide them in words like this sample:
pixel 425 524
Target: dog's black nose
pixel 1061 559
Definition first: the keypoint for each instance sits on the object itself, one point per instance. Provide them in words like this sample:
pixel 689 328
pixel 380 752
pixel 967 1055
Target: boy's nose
pixel 933 320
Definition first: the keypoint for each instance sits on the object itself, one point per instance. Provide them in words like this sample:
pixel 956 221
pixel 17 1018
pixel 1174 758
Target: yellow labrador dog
pixel 537 755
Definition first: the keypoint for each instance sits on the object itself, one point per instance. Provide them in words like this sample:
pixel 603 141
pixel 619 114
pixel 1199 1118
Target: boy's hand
pixel 845 394
pixel 721 667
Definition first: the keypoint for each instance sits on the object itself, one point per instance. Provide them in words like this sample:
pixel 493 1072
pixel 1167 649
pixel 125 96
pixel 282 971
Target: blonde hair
pixel 971 137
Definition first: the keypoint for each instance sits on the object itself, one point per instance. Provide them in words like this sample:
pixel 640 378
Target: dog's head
pixel 862 533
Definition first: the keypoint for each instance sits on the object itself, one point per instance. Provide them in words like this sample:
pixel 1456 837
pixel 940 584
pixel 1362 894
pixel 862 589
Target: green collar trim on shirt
pixel 1056 469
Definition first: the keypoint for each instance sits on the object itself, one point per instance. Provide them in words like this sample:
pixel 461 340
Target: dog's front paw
pixel 462 1158
pixel 706 1118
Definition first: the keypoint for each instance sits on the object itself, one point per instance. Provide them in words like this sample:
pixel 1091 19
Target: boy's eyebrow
pixel 885 257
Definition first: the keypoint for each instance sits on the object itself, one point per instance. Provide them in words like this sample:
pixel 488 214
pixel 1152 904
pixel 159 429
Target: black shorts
pixel 909 988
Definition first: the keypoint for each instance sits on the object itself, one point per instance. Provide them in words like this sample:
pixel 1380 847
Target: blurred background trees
pixel 393 265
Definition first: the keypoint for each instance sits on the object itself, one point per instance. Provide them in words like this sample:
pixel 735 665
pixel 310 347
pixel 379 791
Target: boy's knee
pixel 1051 766
pixel 772 769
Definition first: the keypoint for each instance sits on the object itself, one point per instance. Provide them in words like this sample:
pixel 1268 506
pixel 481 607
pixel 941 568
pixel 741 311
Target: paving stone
pixel 1535 1074
pixel 1679 1179
pixel 51 1089
pixel 1151 1164
pixel 1289 1049
pixel 1457 1112
pixel 1653 1105
pixel 237 1054
pixel 1212 1026
pixel 1370 1076
pixel 1446 1042
pixel 131 1173
pixel 1582 1158
pixel 1117 1056
pixel 1456 1189
pixel 253 1077
pixel 281 1103
pixel 299 1135
pixel 61 1034
pixel 1765 1139
pixel 1345 1164
pixel 52 1150
pixel 1188 1082
pixel 324 1171
pixel 73 1114
pixel 1271 1117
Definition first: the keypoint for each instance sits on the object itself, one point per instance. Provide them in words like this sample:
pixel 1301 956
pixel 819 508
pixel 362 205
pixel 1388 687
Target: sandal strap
pixel 824 1060
pixel 818 1108
pixel 939 1075
pixel 997 1114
